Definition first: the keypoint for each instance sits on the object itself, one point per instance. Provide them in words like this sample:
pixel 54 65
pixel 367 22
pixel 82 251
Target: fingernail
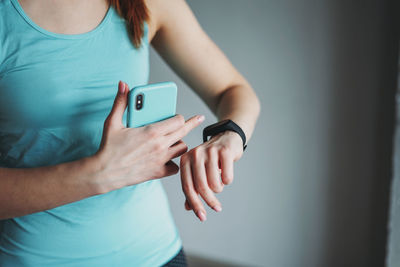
pixel 201 118
pixel 201 216
pixel 217 208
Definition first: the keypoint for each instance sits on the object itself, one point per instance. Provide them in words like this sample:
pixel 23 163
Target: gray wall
pixel 312 186
pixel 393 254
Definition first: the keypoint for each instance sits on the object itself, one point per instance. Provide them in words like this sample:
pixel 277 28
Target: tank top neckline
pixel 85 35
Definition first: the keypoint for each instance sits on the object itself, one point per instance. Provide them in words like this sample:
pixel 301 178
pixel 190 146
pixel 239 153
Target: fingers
pixel 171 168
pixel 169 125
pixel 187 206
pixel 201 185
pixel 177 149
pixel 189 125
pixel 120 102
pixel 226 161
pixel 189 191
pixel 213 175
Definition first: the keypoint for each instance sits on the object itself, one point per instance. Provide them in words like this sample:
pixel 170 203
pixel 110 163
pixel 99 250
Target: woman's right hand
pixel 129 156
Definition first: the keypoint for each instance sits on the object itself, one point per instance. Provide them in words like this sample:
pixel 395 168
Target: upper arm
pixel 188 50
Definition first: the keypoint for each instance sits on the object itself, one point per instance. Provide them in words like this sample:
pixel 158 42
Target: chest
pixel 50 82
pixel 65 17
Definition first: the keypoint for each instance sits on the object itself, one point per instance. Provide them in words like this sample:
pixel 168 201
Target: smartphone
pixel 151 103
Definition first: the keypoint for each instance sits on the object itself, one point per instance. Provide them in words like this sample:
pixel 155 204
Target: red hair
pixel 135 13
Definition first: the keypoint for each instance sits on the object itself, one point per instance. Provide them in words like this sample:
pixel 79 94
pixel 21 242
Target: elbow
pixel 256 104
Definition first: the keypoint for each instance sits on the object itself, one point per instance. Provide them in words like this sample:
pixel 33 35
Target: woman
pixel 77 188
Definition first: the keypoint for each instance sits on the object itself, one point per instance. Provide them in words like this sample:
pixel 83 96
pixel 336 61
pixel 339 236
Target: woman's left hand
pixel 200 170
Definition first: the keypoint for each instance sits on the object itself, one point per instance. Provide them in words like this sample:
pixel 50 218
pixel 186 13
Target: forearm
pixel 28 190
pixel 241 105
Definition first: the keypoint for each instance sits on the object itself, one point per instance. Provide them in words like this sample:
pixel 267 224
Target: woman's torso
pixel 55 92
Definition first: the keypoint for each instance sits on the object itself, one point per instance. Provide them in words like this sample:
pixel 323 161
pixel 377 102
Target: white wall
pixel 311 188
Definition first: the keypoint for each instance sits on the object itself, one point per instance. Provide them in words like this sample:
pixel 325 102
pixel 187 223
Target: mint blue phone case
pixel 158 103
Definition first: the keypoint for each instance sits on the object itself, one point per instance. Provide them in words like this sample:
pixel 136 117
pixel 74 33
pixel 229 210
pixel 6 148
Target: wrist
pixel 105 177
pixel 95 175
pixel 224 126
pixel 235 141
pixel 234 137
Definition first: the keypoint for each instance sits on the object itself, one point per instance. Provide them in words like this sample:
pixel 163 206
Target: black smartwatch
pixel 222 126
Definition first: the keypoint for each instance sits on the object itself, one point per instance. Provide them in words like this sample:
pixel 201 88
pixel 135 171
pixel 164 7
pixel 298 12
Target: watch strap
pixel 228 125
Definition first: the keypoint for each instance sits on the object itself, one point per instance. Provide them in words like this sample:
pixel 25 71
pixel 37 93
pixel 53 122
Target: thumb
pixel 120 103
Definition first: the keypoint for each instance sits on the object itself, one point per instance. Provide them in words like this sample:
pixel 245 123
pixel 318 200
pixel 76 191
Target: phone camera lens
pixel 139 101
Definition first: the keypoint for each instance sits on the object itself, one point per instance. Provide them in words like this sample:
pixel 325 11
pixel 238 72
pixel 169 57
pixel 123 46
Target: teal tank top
pixel 56 90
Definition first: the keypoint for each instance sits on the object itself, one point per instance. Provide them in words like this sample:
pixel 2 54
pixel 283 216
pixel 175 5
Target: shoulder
pixel 163 13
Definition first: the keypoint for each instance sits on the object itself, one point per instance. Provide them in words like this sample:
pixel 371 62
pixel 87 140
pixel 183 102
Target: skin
pixel 204 169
